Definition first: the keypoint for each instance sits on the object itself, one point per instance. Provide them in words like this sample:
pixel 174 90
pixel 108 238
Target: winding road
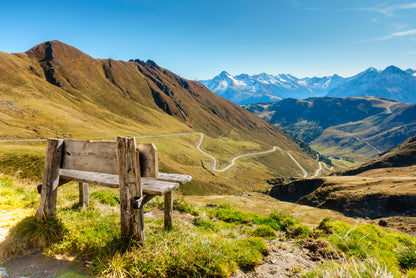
pixel 319 170
pixel 214 160
pixel 305 174
pixel 365 142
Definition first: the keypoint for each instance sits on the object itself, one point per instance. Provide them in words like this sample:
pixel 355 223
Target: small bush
pixel 264 231
pixel 407 257
pixel 325 227
pixel 226 213
pixel 284 221
pixel 247 252
pixel 299 230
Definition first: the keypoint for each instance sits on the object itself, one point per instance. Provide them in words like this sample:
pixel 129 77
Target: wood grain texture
pixel 149 186
pixel 91 156
pixel 148 160
pixel 132 222
pixel 182 179
pixel 50 181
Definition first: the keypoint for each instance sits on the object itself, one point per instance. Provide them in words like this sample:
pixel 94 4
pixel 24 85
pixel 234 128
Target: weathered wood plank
pixel 84 196
pixel 100 157
pixel 148 160
pixel 182 179
pixel 91 156
pixel 168 218
pixel 149 186
pixel 50 181
pixel 132 222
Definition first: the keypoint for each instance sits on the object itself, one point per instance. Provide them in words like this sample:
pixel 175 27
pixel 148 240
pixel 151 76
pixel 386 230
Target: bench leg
pixel 50 181
pixel 168 210
pixel 84 196
pixel 131 220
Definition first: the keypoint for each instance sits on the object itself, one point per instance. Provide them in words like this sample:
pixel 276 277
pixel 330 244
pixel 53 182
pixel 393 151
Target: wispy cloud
pixel 387 9
pixel 412 52
pixel 397 34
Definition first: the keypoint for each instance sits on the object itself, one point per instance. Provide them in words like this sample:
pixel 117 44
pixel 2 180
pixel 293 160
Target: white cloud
pixel 397 34
pixel 386 9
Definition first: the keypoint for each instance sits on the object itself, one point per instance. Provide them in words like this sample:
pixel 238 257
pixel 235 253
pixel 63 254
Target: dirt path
pixel 38 265
pixel 285 259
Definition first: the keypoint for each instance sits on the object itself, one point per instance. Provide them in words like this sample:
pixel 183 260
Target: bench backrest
pixel 101 157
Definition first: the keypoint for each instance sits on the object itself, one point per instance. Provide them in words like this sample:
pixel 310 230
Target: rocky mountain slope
pixel 353 127
pixel 392 83
pixel 55 90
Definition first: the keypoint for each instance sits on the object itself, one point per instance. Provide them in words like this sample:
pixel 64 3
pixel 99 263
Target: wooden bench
pixel 131 166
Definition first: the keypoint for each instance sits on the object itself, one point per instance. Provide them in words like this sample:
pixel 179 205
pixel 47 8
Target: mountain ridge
pixel 392 83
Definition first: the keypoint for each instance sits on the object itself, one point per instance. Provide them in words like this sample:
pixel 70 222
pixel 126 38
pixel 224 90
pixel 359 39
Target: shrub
pixel 284 221
pixel 264 231
pixel 247 252
pixel 299 230
pixel 407 257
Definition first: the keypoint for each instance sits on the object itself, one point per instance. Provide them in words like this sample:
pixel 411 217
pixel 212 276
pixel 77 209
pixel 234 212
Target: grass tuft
pixel 106 197
pixel 264 231
pixel 407 257
pixel 181 205
pixel 32 234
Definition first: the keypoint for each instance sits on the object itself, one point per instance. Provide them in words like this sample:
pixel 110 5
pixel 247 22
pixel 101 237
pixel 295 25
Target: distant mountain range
pixel 392 83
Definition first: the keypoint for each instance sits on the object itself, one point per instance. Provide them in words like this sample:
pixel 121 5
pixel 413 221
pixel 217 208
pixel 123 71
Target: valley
pixel 354 129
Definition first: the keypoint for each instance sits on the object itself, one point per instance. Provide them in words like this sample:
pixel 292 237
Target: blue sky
pixel 198 39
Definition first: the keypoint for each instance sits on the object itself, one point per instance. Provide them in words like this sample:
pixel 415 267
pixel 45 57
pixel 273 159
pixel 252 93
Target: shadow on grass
pixel 30 234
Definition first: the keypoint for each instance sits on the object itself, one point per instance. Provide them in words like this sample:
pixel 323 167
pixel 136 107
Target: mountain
pixel 392 83
pixel 355 128
pixel 55 90
pixel 246 89
pixel 382 187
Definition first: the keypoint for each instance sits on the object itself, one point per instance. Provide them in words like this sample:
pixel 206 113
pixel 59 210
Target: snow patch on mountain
pixel 392 83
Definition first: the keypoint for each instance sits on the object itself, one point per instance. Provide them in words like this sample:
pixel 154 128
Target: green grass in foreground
pixel 217 242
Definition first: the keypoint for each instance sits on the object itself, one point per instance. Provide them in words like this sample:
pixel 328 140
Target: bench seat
pixel 167 182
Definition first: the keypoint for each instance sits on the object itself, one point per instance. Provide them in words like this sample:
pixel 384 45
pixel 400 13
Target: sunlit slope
pixel 55 90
